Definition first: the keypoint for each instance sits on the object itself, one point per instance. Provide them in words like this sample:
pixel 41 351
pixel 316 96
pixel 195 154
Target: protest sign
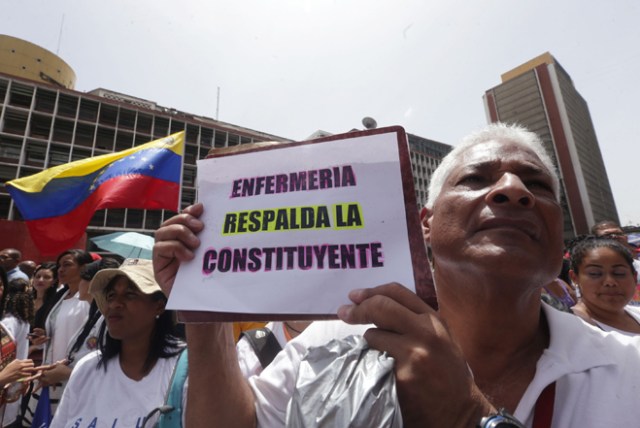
pixel 291 229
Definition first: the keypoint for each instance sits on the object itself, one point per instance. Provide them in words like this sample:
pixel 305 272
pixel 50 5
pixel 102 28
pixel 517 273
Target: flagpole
pixel 184 148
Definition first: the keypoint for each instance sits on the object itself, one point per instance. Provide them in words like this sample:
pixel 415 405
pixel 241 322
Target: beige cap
pixel 139 271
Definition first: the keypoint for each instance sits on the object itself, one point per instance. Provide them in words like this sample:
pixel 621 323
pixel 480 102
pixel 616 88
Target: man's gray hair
pixel 493 132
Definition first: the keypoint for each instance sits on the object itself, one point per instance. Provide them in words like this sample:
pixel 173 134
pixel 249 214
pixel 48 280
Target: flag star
pixel 144 159
pixel 151 166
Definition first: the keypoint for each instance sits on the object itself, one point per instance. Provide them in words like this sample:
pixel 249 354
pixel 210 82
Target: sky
pixel 291 67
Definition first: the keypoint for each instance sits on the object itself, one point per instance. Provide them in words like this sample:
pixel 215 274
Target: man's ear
pixel 425 219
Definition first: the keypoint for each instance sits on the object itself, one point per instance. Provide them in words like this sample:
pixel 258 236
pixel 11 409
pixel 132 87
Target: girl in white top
pixel 128 377
pixel 64 321
pixel 16 318
pixel 605 276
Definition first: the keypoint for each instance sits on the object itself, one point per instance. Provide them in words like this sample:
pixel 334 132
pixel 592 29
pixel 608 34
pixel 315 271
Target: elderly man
pixel 494 226
pixel 9 259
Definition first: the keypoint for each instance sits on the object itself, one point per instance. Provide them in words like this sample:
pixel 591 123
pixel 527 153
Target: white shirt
pixel 98 398
pixel 633 311
pixel 63 322
pixel 274 387
pixel 18 331
pixel 247 358
pixel 596 373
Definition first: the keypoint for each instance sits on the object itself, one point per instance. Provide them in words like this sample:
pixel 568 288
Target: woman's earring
pixel 577 288
pixel 157 317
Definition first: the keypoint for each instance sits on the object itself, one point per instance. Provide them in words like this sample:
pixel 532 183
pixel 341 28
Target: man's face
pixel 497 209
pixel 7 261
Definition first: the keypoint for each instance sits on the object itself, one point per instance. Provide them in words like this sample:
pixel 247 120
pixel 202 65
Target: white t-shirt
pixel 98 398
pixel 18 330
pixel 65 319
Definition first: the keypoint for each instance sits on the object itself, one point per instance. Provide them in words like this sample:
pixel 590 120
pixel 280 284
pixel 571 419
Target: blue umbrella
pixel 126 244
pixel 634 239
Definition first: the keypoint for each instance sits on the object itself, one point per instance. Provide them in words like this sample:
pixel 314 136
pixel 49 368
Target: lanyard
pixel 543 413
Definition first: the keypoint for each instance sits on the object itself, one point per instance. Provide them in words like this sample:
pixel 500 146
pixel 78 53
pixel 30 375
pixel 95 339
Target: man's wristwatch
pixel 502 419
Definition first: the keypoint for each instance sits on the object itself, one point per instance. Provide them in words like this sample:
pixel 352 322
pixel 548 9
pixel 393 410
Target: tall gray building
pixel 540 95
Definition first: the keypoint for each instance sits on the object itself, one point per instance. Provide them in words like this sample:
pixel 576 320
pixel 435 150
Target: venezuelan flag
pixel 57 204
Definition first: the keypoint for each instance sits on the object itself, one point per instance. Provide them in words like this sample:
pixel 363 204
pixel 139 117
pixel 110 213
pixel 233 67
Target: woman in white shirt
pixel 16 318
pixel 65 319
pixel 604 274
pixel 128 377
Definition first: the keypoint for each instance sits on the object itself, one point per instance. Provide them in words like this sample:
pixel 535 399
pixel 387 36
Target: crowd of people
pixel 530 331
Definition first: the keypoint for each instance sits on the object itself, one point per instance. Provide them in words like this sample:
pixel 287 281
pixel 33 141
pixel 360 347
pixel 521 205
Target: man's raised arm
pixel 218 394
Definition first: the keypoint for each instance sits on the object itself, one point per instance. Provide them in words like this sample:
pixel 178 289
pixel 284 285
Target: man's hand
pixel 434 383
pixel 176 241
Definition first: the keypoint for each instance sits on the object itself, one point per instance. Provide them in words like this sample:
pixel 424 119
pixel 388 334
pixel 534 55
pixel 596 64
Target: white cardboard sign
pixel 289 231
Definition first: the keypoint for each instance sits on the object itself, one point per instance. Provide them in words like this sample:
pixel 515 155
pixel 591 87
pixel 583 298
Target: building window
pixel 108 115
pixel 190 154
pixel 98 219
pixel 188 197
pixel 176 126
pixel 144 124
pixel 63 131
pixel 45 100
pixel 104 138
pixel 220 139
pixel 58 156
pixel 160 127
pixel 115 217
pixel 134 219
pixel 20 95
pixel 234 140
pixel 5 203
pixel 206 137
pixel 8 172
pixel 79 154
pixel 36 153
pixel 67 106
pixel 15 122
pixel 127 119
pixel 153 219
pixel 192 134
pixel 124 141
pixel 10 149
pixel 88 110
pixel 40 126
pixel 188 176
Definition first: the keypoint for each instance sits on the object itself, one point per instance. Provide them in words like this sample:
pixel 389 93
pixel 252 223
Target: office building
pixel 540 95
pixel 44 122
pixel 426 155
